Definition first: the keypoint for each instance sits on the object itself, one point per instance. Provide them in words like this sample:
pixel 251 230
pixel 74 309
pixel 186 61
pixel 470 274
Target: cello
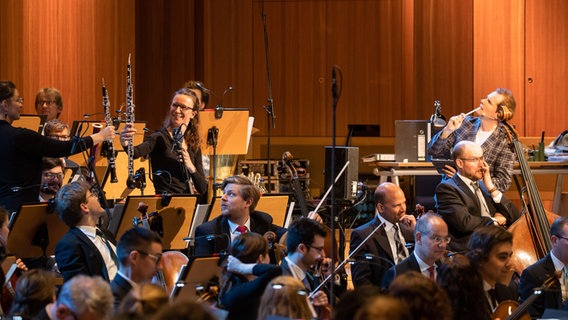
pixel 531 232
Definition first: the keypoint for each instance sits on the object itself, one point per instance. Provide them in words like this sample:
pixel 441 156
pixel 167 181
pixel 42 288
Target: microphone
pixel 219 108
pixel 20 188
pixel 88 115
pixel 202 87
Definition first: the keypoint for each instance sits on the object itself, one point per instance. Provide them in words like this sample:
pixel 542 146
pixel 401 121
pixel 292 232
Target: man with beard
pixel 470 199
pixel 51 178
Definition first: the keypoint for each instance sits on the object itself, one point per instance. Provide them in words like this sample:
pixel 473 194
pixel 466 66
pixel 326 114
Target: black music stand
pixel 176 213
pixel 195 277
pixel 34 231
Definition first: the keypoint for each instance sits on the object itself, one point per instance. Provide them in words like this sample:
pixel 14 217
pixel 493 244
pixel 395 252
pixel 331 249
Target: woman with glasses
pixel 22 151
pixel 486 128
pixel 240 292
pixel 174 149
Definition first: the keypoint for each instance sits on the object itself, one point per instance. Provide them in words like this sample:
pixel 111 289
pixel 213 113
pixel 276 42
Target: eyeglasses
pixel 18 99
pixel 475 160
pixel 153 256
pixel 51 175
pixel 48 102
pixel 61 137
pixel 279 286
pixel 438 239
pixel 318 249
pixel 183 107
pixel 561 237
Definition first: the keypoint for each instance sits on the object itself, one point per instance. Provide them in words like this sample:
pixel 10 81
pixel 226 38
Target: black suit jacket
pixel 365 271
pixel 461 210
pixel 76 254
pixel 408 264
pixel 218 228
pixel 120 287
pixel 533 277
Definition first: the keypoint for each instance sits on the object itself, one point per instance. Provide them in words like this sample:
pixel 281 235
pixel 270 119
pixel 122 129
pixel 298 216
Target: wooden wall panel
pixel 165 55
pixel 498 52
pixel 296 35
pixel 67 45
pixel 228 52
pixel 547 67
pixel 357 34
pixel 443 57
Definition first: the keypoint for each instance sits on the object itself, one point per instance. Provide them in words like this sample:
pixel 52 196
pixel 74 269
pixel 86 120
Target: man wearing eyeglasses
pixel 139 252
pixel 431 237
pixel 48 101
pixel 51 178
pixel 85 248
pixel 470 199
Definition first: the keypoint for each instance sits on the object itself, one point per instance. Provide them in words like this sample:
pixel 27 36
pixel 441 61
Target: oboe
pixel 131 182
pixel 109 146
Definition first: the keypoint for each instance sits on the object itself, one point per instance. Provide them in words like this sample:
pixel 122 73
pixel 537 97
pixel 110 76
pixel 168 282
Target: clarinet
pixel 131 182
pixel 109 146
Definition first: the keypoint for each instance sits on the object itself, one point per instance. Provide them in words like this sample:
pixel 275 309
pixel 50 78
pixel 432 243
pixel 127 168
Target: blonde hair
pixel 285 296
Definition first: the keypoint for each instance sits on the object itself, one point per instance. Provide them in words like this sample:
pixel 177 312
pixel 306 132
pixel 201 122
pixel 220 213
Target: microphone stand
pixel 269 107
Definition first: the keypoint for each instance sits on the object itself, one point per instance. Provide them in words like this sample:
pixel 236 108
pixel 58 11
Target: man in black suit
pixel 84 249
pixel 556 261
pixel 470 199
pixel 430 240
pixel 305 242
pixel 386 247
pixel 239 200
pixel 139 252
pixel 490 249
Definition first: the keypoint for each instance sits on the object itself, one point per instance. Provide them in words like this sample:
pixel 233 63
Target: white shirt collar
pixel 233 226
pixel 558 265
pixel 388 225
pixel 423 265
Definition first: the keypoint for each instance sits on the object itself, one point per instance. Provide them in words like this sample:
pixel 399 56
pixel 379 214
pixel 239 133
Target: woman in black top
pixel 174 149
pixel 22 150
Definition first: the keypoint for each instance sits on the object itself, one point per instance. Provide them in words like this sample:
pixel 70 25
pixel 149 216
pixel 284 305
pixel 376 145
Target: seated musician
pixel 240 293
pixel 239 200
pixel 305 243
pixel 556 261
pixel 490 249
pixel 470 199
pixel 139 251
pixel 430 240
pixel 84 249
pixel 387 246
pixel 51 178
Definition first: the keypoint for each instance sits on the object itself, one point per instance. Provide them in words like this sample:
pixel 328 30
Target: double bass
pixel 531 232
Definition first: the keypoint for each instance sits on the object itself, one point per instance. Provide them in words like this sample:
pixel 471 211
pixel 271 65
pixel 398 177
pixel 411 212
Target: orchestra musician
pixel 430 240
pixel 535 275
pixel 387 247
pixel 238 215
pixel 48 101
pixel 139 251
pixel 174 149
pixel 51 178
pixel 490 249
pixel 22 151
pixel 486 130
pixel 470 199
pixel 85 248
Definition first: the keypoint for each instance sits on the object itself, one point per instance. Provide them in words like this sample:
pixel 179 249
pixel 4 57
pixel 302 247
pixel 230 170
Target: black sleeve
pixel 241 294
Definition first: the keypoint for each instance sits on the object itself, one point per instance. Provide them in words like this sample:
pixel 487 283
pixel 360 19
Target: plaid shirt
pixel 497 149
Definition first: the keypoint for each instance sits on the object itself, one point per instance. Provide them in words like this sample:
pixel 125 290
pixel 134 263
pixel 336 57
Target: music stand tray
pixel 24 227
pixel 33 122
pixel 198 273
pixel 177 216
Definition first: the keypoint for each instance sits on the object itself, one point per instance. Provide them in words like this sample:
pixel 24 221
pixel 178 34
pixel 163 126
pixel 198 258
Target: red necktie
pixel 431 273
pixel 242 229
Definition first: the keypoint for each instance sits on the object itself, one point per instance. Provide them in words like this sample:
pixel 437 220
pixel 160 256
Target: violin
pixel 9 285
pixel 512 310
pixel 171 264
